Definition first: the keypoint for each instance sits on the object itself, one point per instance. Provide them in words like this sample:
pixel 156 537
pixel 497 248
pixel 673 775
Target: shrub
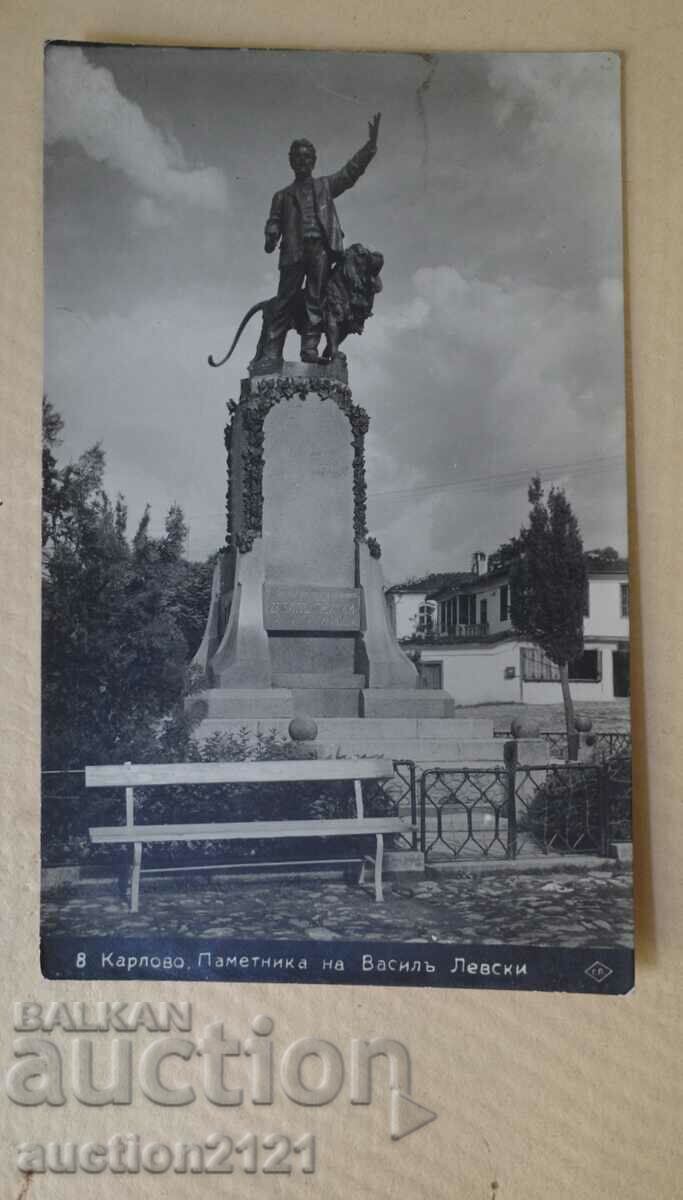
pixel 66 819
pixel 563 814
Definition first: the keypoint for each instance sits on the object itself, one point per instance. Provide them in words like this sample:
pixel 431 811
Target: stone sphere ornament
pixel 524 727
pixel 583 724
pixel 303 729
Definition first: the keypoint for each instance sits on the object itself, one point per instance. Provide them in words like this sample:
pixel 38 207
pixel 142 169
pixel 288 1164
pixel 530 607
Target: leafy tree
pixel 548 583
pixel 120 621
pixel 502 558
pixel 605 555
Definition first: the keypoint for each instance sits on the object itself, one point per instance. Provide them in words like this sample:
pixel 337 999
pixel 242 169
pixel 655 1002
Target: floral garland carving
pixel 254 409
pixel 287 387
pixel 227 440
pixel 360 423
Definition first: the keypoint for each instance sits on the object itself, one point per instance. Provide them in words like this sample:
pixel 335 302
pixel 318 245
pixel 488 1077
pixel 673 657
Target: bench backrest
pixel 286 771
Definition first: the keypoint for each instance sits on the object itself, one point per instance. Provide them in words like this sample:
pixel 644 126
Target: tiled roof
pixel 597 567
pixel 441 583
pixel 431 583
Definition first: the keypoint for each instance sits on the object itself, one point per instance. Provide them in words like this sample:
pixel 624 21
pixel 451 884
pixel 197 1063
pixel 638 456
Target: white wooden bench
pixel 132 775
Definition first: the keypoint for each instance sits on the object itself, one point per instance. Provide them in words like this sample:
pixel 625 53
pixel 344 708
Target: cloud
pixel 571 95
pixel 151 214
pixel 84 105
pixel 503 377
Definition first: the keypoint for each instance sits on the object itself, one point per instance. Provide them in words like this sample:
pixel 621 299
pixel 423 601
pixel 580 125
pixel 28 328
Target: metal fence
pixel 605 742
pixel 513 810
pixel 503 811
pixel 400 795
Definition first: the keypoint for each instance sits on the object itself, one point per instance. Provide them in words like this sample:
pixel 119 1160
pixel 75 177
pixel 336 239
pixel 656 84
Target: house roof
pixel 441 585
pixel 456 582
pixel 619 566
pixel 430 584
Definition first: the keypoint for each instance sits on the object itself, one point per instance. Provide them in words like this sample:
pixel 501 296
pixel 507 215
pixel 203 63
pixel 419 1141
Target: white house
pixel 410 612
pixel 462 632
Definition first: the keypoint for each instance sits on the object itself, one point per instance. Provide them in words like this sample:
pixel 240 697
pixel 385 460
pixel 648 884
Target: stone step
pixel 433 751
pixel 328 701
pixel 308 679
pixel 360 729
pixel 426 751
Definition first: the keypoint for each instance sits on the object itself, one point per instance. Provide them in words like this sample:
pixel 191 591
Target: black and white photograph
pixel 335 574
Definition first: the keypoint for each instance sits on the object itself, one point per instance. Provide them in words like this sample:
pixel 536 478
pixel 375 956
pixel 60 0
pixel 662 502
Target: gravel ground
pixel 570 907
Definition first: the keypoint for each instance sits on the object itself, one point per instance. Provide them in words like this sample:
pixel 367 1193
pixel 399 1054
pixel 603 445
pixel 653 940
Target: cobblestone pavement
pixel 572 907
pixel 605 715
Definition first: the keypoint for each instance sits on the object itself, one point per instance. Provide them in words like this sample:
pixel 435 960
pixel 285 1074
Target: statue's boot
pixel 269 353
pixel 309 348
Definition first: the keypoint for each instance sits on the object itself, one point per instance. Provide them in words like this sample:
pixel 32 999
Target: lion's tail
pixel 244 322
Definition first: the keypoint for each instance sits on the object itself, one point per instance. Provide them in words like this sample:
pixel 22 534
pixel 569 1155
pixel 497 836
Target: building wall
pixel 475 674
pixel 604 618
pixel 403 611
pixel 491 594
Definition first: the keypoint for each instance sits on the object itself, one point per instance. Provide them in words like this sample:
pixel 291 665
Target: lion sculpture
pixel 353 284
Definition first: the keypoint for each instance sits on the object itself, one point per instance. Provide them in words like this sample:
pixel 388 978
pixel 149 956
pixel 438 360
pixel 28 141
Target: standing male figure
pixel 303 219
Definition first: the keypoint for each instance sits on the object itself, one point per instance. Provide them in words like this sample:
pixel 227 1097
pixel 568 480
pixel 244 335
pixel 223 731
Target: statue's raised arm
pixel 351 172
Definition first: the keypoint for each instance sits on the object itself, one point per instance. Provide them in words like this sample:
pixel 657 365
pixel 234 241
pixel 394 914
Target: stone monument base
pixel 406 702
pixel 298 623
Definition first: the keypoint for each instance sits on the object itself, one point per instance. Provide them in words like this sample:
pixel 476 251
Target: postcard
pixel 335 593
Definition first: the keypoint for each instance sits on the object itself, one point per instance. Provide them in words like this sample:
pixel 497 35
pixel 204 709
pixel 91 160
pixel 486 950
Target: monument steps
pixel 328 701
pixel 363 728
pixel 427 751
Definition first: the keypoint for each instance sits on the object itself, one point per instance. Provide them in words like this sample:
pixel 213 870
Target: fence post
pixel 603 806
pixel 413 803
pixel 510 759
pixel 423 814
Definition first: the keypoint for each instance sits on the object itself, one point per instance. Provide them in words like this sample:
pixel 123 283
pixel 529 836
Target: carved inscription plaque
pixel 311 608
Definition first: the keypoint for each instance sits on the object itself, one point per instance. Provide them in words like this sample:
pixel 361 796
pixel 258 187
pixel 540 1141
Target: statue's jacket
pixel 285 219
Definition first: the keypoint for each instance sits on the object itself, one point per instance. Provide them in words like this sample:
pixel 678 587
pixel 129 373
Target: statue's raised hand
pixel 373 128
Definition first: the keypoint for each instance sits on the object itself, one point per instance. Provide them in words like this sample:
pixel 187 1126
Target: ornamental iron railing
pixel 512 811
pixel 605 742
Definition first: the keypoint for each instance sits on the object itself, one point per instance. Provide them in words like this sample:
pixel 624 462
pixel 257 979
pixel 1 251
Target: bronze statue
pixel 353 284
pixel 322 289
pixel 303 219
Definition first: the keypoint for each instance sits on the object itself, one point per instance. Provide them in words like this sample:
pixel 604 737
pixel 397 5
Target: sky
pixel 496 347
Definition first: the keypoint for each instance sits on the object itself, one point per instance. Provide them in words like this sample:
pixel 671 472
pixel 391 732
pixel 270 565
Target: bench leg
pixel 135 877
pixel 361 877
pixel 379 859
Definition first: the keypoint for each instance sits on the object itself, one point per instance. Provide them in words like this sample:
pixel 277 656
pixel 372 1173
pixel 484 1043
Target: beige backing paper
pixel 537 1095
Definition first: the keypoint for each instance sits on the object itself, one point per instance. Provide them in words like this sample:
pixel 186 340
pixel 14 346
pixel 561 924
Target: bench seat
pixel 132 775
pixel 249 830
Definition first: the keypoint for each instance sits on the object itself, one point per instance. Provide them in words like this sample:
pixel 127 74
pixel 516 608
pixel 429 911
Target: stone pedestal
pixel 298 622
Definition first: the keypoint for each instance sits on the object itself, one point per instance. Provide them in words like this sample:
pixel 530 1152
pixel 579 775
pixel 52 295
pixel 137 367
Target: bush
pixel 564 812
pixel 68 817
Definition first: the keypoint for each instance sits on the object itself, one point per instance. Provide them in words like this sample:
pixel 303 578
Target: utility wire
pixel 480 482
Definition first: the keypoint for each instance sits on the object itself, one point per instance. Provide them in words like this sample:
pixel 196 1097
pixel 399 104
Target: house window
pixel 463 610
pixel 587 600
pixel 431 675
pixel 587 668
pixel 483 612
pixel 623 599
pixel 425 618
pixel 504 602
pixel 537 667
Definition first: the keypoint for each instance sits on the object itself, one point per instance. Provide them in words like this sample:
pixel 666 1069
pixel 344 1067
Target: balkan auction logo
pixel 226 1071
